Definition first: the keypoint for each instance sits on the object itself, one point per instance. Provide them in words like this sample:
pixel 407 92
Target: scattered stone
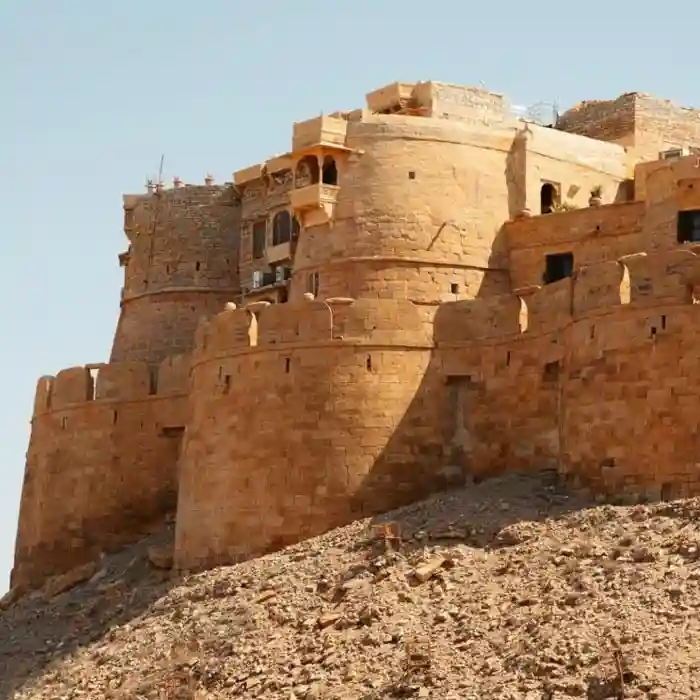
pixel 548 597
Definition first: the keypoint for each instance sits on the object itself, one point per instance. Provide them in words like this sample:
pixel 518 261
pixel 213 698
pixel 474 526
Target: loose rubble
pixel 511 589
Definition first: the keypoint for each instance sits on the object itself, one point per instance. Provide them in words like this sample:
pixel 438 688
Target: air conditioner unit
pixel 282 273
pixel 672 153
pixel 257 279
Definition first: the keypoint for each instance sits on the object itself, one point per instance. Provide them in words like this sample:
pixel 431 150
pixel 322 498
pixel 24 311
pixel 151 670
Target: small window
pixel 454 288
pixel 558 266
pixel 259 234
pixel 411 174
pixel 281 228
pixel 313 283
pixel 688 226
pixel 548 198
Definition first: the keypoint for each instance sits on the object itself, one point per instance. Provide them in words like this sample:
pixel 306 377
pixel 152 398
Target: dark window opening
pixel 259 233
pixel 688 226
pixel 329 175
pixel 307 172
pixel 313 283
pixel 227 384
pixel 282 228
pixel 548 198
pixel 558 266
pixel 368 363
pixel 197 266
pixel 287 364
pixel 64 423
pixel 653 331
pixel 454 288
pixel 172 431
pixel 551 372
pixel 115 417
pixel 167 269
pixel 411 174
pixel 663 323
pixel 592 332
pixel 508 358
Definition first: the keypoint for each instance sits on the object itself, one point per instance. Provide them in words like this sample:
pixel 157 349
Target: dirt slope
pixel 508 590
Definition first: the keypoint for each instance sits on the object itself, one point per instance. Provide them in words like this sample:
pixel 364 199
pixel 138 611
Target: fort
pixel 424 292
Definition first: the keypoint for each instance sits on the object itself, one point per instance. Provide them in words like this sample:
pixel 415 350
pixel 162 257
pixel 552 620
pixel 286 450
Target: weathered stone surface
pixel 421 346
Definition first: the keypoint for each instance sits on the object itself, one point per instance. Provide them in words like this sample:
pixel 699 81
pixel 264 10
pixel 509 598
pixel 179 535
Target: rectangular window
pixel 688 226
pixel 259 236
pixel 313 283
pixel 558 266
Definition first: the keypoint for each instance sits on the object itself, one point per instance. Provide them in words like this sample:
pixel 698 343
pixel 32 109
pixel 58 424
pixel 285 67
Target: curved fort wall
pixel 421 202
pixel 305 416
pixel 593 374
pixel 182 264
pixel 419 206
pixel 101 464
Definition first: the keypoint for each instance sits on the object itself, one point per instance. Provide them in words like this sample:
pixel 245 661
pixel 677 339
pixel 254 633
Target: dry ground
pixel 512 589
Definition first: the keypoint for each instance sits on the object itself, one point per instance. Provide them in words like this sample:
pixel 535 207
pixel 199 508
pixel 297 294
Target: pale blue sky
pixel 92 93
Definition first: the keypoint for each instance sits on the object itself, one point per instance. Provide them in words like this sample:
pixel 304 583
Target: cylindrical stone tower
pixel 181 265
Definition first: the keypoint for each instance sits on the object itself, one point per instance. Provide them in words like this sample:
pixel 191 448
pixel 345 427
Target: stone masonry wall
pixel 420 199
pixel 605 120
pixel 306 416
pixel 182 264
pixel 661 124
pixel 101 464
pixel 593 235
pixel 592 374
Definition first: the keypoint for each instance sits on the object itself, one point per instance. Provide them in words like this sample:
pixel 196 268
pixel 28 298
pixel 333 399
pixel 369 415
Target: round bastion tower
pixel 411 209
pixel 181 265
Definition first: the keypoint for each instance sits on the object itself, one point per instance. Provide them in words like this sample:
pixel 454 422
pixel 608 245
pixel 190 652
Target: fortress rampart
pixel 181 265
pixel 101 464
pixel 590 375
pixel 305 416
pixel 457 292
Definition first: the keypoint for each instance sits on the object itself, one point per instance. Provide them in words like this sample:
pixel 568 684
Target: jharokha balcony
pixel 314 204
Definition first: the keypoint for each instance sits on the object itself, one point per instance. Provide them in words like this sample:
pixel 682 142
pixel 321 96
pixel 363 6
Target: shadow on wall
pixel 424 454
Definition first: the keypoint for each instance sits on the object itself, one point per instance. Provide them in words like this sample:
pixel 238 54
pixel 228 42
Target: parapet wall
pixel 591 375
pixel 101 464
pixel 306 416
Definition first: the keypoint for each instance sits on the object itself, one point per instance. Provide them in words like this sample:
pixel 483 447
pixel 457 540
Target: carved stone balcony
pixel 321 131
pixel 278 253
pixel 315 204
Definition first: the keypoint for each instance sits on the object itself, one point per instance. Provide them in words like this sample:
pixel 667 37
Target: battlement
pixel 116 381
pixel 309 322
pixel 177 188
pixel 643 279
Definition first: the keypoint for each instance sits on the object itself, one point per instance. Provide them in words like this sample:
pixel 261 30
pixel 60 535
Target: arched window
pixel 282 227
pixel 329 175
pixel 548 198
pixel 307 172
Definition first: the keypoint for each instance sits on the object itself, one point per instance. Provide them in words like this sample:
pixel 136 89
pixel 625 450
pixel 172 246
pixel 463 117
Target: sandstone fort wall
pixel 305 416
pixel 182 264
pixel 591 375
pixel 101 464
pixel 428 352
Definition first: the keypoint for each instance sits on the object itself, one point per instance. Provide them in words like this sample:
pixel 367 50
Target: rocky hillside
pixel 511 589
